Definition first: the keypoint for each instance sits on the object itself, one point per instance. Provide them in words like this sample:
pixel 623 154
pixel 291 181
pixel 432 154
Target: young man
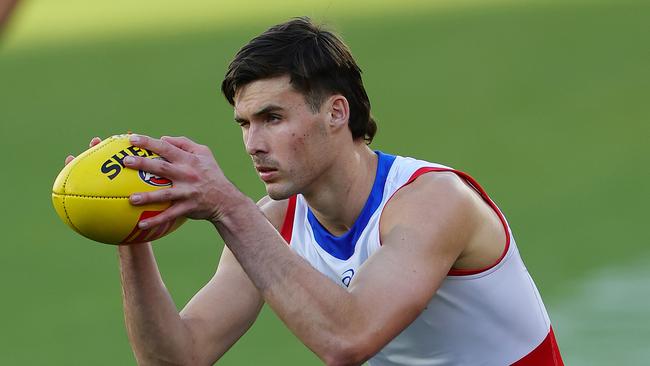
pixel 365 256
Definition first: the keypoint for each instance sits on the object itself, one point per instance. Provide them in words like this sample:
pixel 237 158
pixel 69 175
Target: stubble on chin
pixel 277 193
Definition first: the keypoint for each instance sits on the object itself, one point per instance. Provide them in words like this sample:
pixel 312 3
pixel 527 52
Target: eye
pixel 272 117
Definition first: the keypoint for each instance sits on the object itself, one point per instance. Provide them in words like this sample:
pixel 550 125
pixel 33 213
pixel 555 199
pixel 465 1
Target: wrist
pixel 232 206
pixel 131 253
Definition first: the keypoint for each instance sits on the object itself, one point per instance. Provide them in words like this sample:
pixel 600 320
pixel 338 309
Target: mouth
pixel 266 174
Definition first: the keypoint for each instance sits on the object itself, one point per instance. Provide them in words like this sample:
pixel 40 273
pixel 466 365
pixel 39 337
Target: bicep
pixel 223 310
pixel 421 239
pixel 396 283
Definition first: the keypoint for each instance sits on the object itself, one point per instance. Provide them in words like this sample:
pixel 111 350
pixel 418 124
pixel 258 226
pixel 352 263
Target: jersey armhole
pixel 474 185
pixel 287 225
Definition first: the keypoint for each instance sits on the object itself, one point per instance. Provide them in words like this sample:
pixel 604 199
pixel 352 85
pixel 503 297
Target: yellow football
pixel 91 194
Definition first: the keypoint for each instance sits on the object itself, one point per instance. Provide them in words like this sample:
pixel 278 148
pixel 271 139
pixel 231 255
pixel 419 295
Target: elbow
pixel 337 360
pixel 345 353
pixel 177 359
pixel 155 359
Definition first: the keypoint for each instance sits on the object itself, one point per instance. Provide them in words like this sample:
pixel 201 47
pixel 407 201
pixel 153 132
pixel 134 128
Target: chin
pixel 278 192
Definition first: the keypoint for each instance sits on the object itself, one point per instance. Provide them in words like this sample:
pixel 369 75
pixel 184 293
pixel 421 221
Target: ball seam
pixel 89 196
pixel 65 182
pixel 84 157
pixel 68 216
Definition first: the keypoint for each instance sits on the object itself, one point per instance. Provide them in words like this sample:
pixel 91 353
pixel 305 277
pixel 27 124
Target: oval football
pixel 91 194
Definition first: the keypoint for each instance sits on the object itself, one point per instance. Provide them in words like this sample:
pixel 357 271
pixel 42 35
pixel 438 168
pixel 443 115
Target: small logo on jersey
pixel 153 179
pixel 347 277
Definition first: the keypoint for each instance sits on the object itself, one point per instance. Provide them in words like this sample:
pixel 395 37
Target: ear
pixel 338 111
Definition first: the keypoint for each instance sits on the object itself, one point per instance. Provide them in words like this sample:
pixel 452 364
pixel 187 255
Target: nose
pixel 254 140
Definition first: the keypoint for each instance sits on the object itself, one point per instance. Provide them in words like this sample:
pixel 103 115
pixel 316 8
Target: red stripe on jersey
pixel 474 184
pixel 546 354
pixel 287 225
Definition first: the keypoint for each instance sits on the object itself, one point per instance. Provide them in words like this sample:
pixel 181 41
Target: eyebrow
pixel 265 110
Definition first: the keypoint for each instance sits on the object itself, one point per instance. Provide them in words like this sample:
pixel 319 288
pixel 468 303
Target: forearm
pixel 156 331
pixel 323 315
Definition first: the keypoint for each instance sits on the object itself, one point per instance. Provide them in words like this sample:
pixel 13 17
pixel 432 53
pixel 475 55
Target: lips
pixel 266 174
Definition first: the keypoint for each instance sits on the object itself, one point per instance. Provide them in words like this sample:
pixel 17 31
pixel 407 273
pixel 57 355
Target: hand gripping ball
pixel 91 194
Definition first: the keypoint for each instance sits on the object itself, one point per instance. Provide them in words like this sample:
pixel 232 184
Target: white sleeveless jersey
pixel 492 316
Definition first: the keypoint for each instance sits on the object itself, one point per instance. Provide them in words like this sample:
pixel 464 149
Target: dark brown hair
pixel 318 63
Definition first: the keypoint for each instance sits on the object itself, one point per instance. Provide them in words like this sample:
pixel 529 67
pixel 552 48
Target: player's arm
pixel 212 321
pixel 226 307
pixel 424 230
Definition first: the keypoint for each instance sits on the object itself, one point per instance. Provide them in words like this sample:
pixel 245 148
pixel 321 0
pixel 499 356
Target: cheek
pixel 298 153
pixel 301 143
pixel 303 156
pixel 297 142
pixel 304 149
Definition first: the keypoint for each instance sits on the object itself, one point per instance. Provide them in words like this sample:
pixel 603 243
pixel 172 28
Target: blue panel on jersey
pixel 342 247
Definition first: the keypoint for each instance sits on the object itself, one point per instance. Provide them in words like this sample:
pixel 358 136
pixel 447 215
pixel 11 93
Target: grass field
pixel 545 104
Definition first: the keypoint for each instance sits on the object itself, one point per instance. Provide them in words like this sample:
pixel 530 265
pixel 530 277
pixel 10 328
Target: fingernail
pixel 134 138
pixel 135 198
pixel 143 224
pixel 129 160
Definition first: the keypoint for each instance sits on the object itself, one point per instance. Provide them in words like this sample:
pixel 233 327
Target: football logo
pixel 154 180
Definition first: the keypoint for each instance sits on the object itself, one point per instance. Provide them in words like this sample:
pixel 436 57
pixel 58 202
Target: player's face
pixel 287 141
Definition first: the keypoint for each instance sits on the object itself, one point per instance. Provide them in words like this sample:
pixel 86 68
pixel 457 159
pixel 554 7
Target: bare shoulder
pixel 275 211
pixel 445 208
pixel 435 205
pixel 435 190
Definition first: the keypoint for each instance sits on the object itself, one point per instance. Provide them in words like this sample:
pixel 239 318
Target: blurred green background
pixel 543 102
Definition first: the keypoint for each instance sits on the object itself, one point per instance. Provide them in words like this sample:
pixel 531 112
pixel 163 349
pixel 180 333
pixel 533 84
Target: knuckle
pixel 165 167
pixel 163 146
pixel 193 176
pixel 194 160
pixel 166 194
pixel 204 148
pixel 193 194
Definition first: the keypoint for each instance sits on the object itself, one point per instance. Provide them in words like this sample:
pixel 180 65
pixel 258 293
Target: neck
pixel 340 193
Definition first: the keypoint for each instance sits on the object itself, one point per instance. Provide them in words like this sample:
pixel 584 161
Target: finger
pixel 159 167
pixel 183 143
pixel 68 159
pixel 172 213
pixel 94 141
pixel 161 195
pixel 162 148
